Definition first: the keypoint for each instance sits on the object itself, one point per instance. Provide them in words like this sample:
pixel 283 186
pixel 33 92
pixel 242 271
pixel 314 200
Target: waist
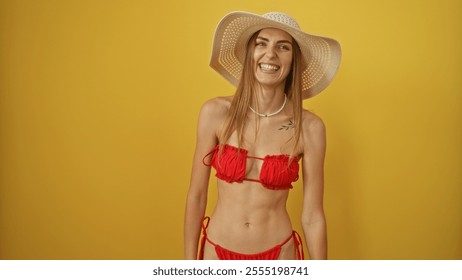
pixel 251 230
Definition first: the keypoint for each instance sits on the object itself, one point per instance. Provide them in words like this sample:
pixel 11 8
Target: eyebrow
pixel 280 41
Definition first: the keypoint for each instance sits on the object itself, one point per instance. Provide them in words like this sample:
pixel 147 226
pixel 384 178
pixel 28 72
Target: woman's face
pixel 272 56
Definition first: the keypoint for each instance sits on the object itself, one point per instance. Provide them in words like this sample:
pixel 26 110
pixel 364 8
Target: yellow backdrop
pixel 99 102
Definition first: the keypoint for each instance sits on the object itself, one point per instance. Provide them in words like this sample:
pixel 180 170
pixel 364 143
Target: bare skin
pixel 249 218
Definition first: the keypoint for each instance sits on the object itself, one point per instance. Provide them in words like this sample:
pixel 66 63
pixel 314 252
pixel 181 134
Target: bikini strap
pixel 205 224
pixel 207 155
pixel 260 158
pixel 287 240
pixel 298 245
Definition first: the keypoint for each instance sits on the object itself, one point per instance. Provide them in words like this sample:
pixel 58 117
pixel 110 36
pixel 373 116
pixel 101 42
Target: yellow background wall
pixel 99 102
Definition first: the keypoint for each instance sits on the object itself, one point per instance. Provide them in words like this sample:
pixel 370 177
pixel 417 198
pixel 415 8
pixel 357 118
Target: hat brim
pixel 321 55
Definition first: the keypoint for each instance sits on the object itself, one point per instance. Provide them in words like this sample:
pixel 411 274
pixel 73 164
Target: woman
pixel 256 139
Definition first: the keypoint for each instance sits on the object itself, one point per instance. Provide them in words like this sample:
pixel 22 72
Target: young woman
pixel 256 140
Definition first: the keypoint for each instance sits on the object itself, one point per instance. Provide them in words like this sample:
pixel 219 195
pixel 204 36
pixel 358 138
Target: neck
pixel 268 99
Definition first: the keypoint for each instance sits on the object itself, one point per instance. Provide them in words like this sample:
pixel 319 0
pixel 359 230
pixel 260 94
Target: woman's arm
pixel 196 200
pixel 313 219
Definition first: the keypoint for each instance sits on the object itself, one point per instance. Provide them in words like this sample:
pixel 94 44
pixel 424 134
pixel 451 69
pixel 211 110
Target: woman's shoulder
pixel 312 124
pixel 220 102
pixel 310 120
pixel 313 133
pixel 213 113
pixel 217 106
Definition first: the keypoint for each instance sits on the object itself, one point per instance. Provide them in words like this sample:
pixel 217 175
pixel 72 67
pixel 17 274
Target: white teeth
pixel 268 67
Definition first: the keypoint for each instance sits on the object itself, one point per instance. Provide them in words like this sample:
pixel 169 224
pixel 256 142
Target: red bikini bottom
pixel 270 254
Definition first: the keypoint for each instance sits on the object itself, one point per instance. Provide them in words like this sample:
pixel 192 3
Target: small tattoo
pixel 287 126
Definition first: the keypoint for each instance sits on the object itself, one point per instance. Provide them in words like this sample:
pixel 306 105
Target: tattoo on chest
pixel 287 126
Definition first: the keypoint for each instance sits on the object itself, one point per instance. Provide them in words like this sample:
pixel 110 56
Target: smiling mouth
pixel 268 67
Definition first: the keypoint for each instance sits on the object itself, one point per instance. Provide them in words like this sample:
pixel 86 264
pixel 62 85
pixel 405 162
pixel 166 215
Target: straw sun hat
pixel 321 55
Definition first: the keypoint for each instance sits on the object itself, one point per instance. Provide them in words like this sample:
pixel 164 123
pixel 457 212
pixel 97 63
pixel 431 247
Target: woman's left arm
pixel 313 219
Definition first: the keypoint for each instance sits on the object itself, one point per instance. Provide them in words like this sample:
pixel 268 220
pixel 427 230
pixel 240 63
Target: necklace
pixel 271 114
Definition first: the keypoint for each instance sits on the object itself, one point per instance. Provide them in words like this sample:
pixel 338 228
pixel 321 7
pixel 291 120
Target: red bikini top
pixel 276 171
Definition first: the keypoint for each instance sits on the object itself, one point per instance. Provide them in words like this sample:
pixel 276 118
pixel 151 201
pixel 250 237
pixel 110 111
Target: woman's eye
pixel 260 44
pixel 284 47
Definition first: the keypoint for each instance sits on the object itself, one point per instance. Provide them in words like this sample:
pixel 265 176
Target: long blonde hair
pixel 245 95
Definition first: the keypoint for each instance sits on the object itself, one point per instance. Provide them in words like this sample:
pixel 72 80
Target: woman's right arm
pixel 196 201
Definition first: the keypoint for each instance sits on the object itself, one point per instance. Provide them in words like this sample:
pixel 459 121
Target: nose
pixel 270 52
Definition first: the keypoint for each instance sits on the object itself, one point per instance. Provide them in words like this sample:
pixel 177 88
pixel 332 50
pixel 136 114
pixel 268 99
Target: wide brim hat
pixel 321 55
